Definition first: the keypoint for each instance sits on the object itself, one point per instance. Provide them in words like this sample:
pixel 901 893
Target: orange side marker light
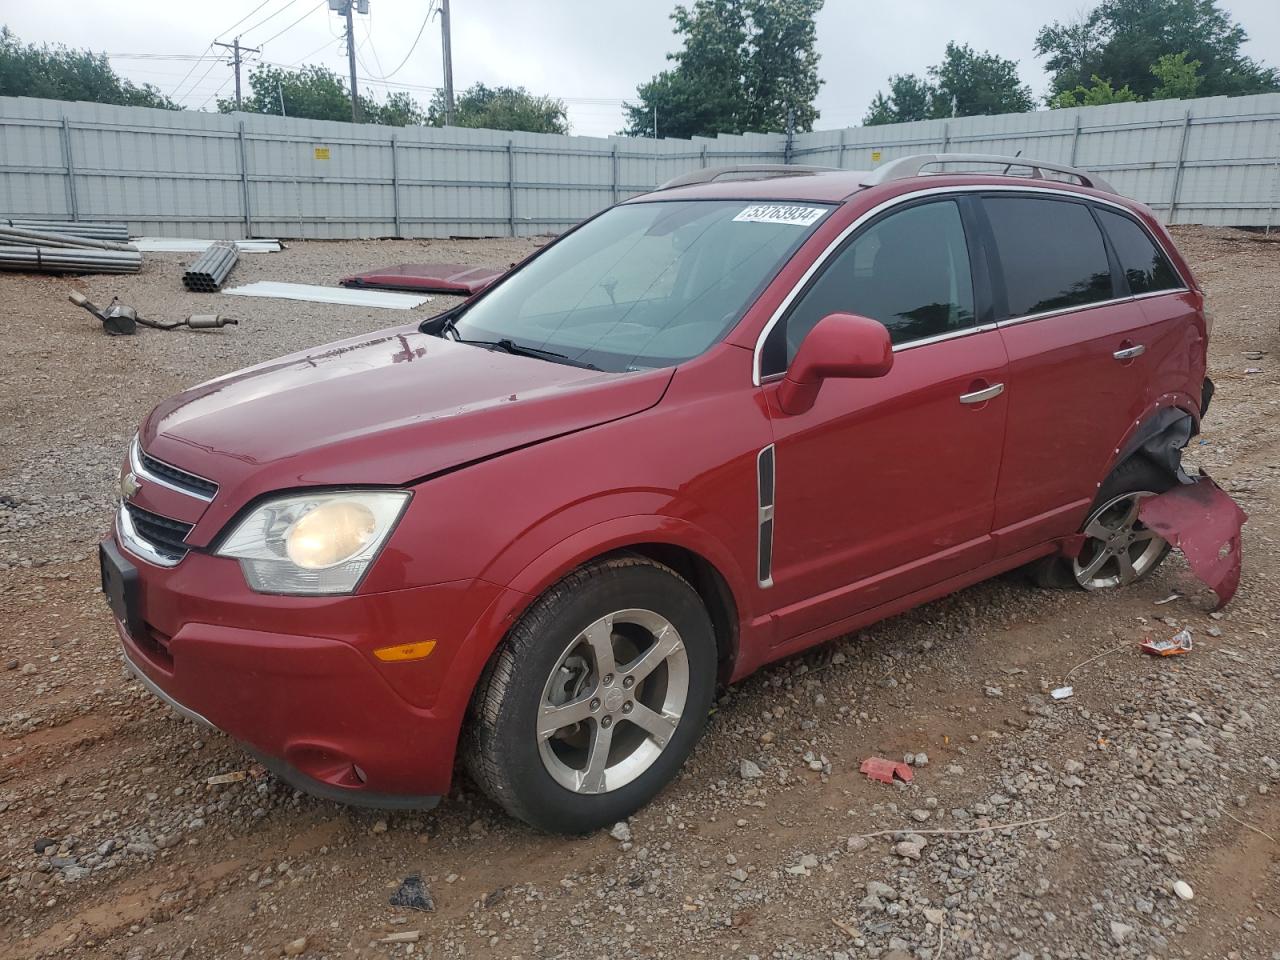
pixel 405 651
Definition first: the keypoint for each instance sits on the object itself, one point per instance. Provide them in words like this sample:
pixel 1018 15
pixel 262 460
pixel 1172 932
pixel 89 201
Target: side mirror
pixel 842 345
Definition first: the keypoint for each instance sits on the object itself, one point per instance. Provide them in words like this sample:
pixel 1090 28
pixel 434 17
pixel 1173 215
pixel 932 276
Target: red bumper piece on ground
pixel 878 768
pixel 433 277
pixel 1202 521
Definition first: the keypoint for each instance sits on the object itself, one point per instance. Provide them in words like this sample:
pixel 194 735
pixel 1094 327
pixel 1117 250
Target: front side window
pixel 1144 264
pixel 909 270
pixel 1051 253
pixel 645 284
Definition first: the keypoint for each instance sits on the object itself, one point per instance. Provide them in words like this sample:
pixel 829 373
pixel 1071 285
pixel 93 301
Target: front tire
pixel 595 698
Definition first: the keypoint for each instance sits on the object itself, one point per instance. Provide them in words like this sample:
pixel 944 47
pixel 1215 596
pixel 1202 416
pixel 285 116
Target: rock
pixel 739 875
pixel 621 832
pixel 920 816
pixel 749 770
pixel 11 664
pixel 1120 931
pixel 379 826
pixel 296 948
pixel 1073 766
pixel 44 843
pixel 994 693
pixel 876 888
pixel 907 849
pixel 934 916
pixel 856 844
pixel 922 760
pixel 1183 890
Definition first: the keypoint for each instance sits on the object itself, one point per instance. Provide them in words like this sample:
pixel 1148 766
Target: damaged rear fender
pixel 1160 438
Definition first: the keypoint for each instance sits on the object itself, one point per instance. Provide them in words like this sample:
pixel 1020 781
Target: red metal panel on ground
pixel 456 278
pixel 1204 522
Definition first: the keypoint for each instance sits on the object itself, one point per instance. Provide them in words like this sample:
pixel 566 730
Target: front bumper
pixel 295 681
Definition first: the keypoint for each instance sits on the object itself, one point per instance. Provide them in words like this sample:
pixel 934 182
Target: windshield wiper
pixel 507 345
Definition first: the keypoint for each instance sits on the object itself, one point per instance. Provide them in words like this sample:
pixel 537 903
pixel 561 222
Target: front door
pixel 886 486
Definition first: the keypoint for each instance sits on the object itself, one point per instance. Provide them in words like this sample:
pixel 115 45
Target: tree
pixel 1100 93
pixel 502 108
pixel 910 98
pixel 59 73
pixel 744 65
pixel 1179 79
pixel 1121 41
pixel 317 93
pixel 965 84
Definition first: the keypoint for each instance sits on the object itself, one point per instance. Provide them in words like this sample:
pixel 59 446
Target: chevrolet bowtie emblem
pixel 129 485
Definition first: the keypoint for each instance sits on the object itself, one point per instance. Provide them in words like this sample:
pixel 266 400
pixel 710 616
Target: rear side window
pixel 910 271
pixel 1051 253
pixel 1145 266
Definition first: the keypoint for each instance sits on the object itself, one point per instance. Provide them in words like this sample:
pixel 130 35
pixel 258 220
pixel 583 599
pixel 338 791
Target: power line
pixel 425 20
pixel 174 93
pixel 244 18
pixel 208 71
pixel 268 17
pixel 294 24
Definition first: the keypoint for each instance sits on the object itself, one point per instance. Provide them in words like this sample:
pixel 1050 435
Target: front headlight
pixel 314 543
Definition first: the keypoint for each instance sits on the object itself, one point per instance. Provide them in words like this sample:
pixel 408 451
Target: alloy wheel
pixel 613 701
pixel 1118 547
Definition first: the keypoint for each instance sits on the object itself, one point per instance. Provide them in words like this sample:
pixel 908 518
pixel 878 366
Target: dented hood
pixel 386 408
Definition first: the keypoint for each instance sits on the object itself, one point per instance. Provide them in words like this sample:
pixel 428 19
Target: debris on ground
pixel 1203 521
pixel 43 251
pixel 1179 644
pixel 878 768
pixel 318 294
pixel 413 893
pixel 235 776
pixel 121 320
pixel 455 278
pixel 1062 693
pixel 181 245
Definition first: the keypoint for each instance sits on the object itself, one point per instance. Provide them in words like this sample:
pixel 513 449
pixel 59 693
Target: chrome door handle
pixel 1128 353
pixel 983 395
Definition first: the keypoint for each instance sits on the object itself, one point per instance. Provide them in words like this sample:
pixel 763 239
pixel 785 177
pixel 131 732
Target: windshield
pixel 645 284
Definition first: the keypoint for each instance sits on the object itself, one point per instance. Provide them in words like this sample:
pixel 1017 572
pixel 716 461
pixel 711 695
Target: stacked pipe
pixel 93 231
pixel 209 270
pixel 39 251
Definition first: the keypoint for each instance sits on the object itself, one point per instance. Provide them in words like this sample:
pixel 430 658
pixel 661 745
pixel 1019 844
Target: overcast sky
pixel 591 53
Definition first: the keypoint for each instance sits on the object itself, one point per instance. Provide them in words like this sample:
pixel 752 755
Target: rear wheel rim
pixel 1118 548
pixel 613 701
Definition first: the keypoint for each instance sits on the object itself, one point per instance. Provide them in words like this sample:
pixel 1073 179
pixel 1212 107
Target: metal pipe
pixel 64 260
pixel 209 271
pixel 97 231
pixel 49 238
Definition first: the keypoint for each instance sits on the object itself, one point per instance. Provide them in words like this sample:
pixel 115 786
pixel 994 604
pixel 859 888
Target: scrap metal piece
pixel 878 768
pixel 1203 521
pixel 457 278
pixel 118 320
pixel 318 294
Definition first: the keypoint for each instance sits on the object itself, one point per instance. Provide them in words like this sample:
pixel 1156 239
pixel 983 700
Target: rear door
pixel 1077 374
pixel 886 486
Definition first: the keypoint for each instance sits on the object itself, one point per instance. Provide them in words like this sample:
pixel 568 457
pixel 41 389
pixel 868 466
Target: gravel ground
pixel 1033 827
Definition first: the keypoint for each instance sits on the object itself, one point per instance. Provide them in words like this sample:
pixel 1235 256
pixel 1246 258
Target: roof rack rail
pixel 745 171
pixel 904 168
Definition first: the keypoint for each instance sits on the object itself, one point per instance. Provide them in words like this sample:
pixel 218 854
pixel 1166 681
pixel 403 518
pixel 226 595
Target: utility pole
pixel 655 121
pixel 446 42
pixel 345 8
pixel 236 51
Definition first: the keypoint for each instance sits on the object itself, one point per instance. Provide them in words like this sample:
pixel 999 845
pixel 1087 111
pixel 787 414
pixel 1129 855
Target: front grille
pixel 167 537
pixel 179 478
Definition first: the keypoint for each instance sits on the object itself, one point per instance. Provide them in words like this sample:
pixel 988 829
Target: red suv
pixel 756 409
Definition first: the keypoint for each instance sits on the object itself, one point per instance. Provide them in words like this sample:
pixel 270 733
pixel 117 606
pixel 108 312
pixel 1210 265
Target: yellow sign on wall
pixel 875 155
pixel 322 153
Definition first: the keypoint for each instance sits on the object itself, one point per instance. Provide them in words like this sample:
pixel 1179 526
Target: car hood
pixel 387 408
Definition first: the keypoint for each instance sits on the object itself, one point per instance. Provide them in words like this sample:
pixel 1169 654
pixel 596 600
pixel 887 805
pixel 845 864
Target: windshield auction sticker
pixel 787 213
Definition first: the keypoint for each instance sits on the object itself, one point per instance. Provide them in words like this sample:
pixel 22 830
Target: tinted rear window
pixel 1051 252
pixel 1145 265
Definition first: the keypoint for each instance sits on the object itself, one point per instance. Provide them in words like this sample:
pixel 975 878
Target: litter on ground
pixel 1179 643
pixel 878 768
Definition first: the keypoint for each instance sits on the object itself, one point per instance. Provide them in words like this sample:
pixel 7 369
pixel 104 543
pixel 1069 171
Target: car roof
pixel 905 174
